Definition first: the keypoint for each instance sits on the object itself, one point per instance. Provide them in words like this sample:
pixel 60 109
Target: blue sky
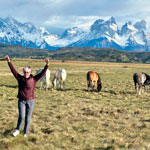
pixel 57 15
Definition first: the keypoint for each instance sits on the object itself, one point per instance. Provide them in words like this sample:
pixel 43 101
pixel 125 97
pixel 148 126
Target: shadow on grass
pixel 65 90
pixel 83 90
pixel 86 90
pixel 127 92
pixel 9 86
pixel 8 132
pixel 110 91
pixel 113 92
pixel 147 120
pixel 47 130
pixel 93 91
pixel 119 92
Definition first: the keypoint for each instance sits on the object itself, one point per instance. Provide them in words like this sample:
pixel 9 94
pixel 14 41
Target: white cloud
pixel 68 13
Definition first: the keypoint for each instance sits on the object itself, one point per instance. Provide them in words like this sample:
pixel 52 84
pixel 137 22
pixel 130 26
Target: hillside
pixel 100 54
pixel 21 52
pixel 76 53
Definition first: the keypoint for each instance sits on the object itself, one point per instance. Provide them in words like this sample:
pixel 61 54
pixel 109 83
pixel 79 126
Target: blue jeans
pixel 25 109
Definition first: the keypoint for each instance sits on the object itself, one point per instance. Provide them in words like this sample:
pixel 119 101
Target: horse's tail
pixel 88 79
pixel 135 78
pixel 99 83
pixel 88 76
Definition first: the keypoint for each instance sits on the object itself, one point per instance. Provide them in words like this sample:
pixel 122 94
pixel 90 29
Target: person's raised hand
pixel 7 58
pixel 47 60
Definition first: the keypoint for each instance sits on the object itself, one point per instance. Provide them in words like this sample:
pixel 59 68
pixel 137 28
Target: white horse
pixel 45 79
pixel 59 78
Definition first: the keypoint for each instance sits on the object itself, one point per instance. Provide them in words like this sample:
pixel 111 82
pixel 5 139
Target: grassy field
pixel 75 119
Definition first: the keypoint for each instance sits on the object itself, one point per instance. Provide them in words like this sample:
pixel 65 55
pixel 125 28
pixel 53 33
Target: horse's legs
pixel 45 84
pixel 55 83
pixel 59 84
pixel 88 84
pixel 91 85
pixel 140 88
pixel 40 84
pixel 144 88
pixel 135 87
pixel 63 85
pixel 94 85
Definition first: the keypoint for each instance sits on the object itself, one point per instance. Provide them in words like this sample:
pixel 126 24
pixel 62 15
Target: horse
pixel 142 79
pixel 45 79
pixel 59 78
pixel 93 81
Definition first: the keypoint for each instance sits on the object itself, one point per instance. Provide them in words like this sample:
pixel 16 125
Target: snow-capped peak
pixel 141 25
pixel 111 21
pixel 102 33
pixel 128 28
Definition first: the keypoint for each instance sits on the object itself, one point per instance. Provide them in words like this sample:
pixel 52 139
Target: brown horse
pixel 93 80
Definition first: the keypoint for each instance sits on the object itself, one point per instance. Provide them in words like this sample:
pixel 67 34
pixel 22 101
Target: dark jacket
pixel 26 86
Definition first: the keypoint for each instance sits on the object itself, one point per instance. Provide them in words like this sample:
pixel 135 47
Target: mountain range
pixel 101 34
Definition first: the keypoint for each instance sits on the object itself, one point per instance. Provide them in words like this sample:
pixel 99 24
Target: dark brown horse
pixel 94 81
pixel 142 79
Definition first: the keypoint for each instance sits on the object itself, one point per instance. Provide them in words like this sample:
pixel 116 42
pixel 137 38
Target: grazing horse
pixel 93 80
pixel 142 79
pixel 59 77
pixel 45 79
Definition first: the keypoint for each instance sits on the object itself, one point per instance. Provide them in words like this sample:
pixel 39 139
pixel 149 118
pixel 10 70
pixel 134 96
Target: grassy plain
pixel 75 119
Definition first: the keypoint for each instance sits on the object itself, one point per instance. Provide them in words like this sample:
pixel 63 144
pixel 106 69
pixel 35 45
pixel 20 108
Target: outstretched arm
pixel 13 70
pixel 40 75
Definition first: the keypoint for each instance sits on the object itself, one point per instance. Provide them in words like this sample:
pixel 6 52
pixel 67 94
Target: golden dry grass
pixel 75 119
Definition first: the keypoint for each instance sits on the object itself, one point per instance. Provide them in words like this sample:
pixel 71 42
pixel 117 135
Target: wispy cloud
pixel 61 14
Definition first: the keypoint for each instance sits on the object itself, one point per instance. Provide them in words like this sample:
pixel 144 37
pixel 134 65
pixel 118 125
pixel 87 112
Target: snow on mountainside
pixel 106 34
pixel 15 32
pixel 101 34
pixel 69 36
pixel 24 34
